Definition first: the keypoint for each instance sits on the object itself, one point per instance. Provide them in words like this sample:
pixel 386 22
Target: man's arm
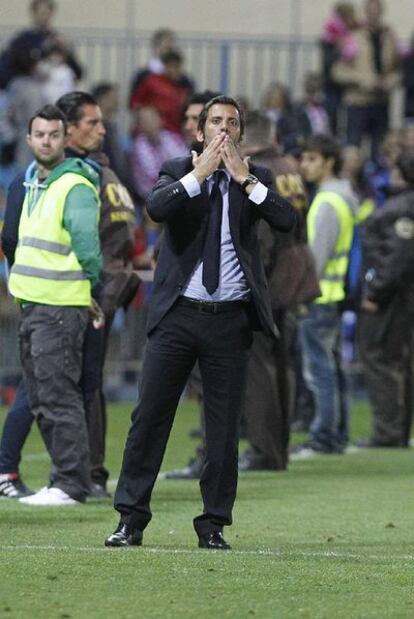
pixel 14 205
pixel 393 269
pixel 80 219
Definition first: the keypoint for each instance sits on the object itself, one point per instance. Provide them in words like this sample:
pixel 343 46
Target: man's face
pixel 373 12
pixel 314 167
pixel 47 140
pixel 86 136
pixel 190 124
pixel 42 16
pixel 221 118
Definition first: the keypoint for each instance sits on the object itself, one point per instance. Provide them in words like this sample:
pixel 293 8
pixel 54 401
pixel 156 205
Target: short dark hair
pixel 34 5
pixel 101 89
pixel 173 55
pixel 327 147
pixel 48 112
pixel 260 129
pixel 71 104
pixel 200 98
pixel 160 34
pixel 405 165
pixel 222 100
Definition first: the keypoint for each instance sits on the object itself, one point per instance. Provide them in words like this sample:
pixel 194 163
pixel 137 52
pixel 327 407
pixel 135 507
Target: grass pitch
pixel 331 537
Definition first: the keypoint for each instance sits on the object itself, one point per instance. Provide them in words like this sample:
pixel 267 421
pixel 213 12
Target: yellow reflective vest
pixel 46 269
pixel 332 282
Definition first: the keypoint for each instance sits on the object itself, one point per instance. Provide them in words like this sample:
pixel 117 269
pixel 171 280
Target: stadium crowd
pixel 344 273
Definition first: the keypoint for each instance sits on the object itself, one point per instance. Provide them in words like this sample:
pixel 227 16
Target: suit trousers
pixel 221 343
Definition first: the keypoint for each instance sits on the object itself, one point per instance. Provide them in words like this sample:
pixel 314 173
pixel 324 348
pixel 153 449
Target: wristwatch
pixel 249 180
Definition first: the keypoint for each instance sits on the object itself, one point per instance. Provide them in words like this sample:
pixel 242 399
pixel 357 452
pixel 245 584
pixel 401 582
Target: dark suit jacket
pixel 185 222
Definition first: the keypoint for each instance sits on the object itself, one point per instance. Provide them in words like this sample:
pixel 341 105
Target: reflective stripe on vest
pixel 66 276
pixel 56 248
pixel 46 269
pixel 332 282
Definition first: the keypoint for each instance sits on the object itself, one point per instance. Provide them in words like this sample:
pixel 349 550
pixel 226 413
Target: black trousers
pixel 220 342
pixel 268 394
pixel 94 355
pixel 386 347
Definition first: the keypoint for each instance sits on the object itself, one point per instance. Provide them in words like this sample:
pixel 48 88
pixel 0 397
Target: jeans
pixel 320 334
pixel 16 428
pixel 371 120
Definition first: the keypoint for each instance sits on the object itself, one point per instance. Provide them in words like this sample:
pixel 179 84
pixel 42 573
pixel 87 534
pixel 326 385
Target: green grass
pixel 331 537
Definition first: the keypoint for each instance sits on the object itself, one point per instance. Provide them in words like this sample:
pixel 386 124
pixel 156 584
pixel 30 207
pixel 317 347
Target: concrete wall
pixel 272 18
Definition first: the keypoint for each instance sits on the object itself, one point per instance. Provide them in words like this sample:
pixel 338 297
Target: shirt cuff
pixel 259 193
pixel 191 185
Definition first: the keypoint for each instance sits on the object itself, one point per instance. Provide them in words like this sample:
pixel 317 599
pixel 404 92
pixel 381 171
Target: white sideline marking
pixel 258 553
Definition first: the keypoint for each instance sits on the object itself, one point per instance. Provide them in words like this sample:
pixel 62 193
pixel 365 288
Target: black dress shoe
pixel 124 536
pixel 213 541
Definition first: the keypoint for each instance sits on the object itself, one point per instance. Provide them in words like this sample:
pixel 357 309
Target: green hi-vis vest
pixel 332 283
pixel 46 269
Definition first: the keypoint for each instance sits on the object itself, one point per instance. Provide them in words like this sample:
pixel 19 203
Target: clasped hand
pixel 220 149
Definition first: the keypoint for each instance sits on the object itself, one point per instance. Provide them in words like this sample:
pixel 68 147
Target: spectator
pixel 369 79
pixel 166 92
pixel 24 95
pixel 313 106
pixel 379 172
pixel 37 40
pixel 408 81
pixel 291 123
pixel 336 43
pixel 162 41
pixel 106 94
pixel 59 77
pixel 150 148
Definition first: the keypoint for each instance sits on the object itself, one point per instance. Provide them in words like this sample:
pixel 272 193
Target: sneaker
pixel 304 453
pixel 98 491
pixel 191 471
pixel 49 497
pixel 12 487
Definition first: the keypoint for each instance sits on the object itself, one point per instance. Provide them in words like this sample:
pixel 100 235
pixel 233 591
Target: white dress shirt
pixel 232 282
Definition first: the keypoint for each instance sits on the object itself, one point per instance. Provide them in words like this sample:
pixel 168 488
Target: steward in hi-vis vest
pixel 47 267
pixel 330 226
pixel 332 280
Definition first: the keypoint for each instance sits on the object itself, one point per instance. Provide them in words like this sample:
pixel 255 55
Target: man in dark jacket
pixel 209 286
pixel 386 322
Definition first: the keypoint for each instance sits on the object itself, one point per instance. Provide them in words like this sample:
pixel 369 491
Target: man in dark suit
pixel 209 291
